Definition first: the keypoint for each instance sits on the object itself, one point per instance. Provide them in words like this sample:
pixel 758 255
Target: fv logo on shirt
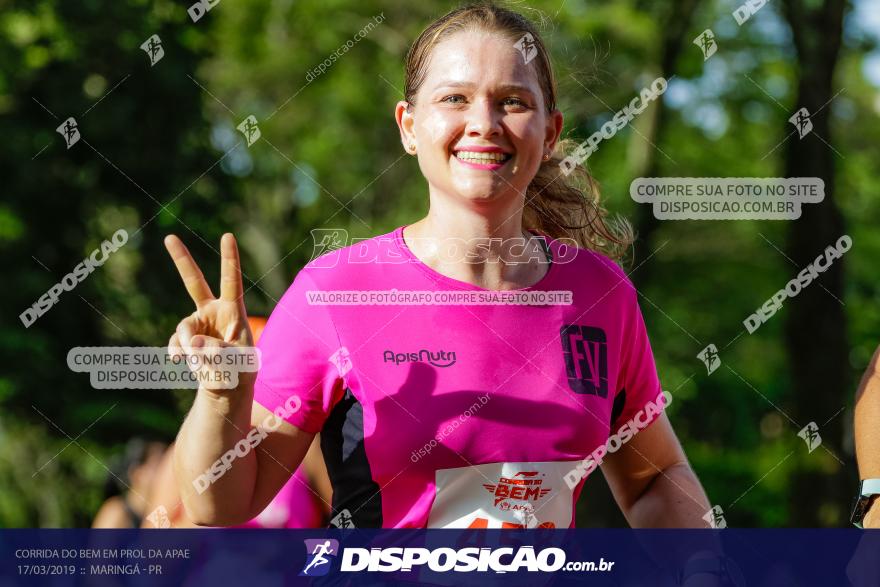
pixel 585 352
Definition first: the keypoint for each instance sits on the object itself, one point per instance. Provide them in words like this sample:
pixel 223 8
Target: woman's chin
pixel 478 196
pixel 484 190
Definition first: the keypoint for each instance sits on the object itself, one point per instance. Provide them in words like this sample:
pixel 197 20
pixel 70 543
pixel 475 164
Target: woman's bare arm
pixel 221 485
pixel 164 494
pixel 867 431
pixel 653 483
pixel 240 486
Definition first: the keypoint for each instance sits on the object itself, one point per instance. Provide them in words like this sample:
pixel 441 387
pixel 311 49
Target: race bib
pixel 503 495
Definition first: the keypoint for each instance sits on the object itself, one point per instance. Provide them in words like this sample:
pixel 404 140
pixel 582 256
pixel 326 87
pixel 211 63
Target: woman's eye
pixel 458 99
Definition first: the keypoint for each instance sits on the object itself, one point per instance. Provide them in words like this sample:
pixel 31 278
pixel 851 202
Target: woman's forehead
pixel 475 58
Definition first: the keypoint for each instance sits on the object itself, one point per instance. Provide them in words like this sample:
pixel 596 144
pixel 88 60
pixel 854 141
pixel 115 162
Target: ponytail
pixel 568 207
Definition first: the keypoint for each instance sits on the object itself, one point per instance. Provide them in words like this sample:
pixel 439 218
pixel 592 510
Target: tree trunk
pixel 647 164
pixel 815 328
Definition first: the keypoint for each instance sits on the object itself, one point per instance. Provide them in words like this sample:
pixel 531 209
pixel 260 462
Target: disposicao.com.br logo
pixel 444 559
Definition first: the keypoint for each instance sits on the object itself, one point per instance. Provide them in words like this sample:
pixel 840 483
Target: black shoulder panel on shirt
pixel 547 250
pixel 357 500
pixel 617 408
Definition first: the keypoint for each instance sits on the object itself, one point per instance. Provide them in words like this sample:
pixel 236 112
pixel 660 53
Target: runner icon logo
pixel 585 351
pixel 319 555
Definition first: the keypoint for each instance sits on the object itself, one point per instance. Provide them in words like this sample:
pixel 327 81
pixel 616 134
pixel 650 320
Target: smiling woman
pixel 454 73
pixel 554 381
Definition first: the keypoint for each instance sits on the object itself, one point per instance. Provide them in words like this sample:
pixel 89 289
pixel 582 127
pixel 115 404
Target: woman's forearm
pixel 674 499
pixel 215 423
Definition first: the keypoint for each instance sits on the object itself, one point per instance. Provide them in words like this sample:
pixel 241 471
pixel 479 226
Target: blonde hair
pixel 562 206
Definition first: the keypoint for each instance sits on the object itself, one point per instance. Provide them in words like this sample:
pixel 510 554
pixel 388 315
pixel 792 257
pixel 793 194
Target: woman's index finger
pixel 192 276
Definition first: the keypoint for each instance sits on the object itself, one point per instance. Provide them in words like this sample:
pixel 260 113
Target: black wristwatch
pixel 868 490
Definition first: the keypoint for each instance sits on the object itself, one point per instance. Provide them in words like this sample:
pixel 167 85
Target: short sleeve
pixel 639 395
pixel 299 367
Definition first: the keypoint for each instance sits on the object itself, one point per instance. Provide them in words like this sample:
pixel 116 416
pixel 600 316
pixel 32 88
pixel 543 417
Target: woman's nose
pixel 483 119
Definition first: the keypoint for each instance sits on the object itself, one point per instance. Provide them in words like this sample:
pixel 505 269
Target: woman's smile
pixel 488 158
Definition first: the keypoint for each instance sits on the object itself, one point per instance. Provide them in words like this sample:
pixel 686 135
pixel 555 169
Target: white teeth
pixel 478 157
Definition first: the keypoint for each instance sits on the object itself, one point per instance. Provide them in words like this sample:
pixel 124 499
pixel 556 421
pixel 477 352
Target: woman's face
pixel 479 122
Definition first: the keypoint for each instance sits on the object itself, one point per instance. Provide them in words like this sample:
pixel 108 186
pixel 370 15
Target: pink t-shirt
pixel 456 415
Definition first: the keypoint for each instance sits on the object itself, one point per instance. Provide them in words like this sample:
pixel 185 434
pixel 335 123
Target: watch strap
pixel 869 487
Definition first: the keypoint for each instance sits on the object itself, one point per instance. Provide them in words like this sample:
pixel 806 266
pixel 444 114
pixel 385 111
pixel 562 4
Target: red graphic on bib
pixel 524 487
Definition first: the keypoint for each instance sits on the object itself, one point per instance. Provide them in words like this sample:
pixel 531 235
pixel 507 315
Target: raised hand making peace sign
pixel 217 323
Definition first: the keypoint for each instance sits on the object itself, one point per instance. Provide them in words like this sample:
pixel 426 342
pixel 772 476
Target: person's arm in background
pixel 164 493
pixel 112 514
pixel 867 431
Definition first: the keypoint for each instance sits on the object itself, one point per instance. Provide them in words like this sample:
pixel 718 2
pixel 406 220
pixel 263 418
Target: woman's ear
pixel 554 130
pixel 405 117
